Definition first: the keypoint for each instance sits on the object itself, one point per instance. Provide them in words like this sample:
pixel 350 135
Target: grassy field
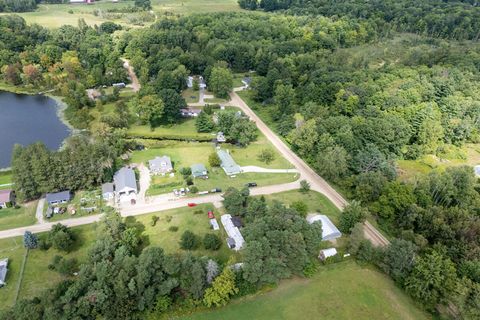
pixel 184 130
pixel 56 15
pixel 5 179
pixel 339 291
pixel 13 218
pixel 191 96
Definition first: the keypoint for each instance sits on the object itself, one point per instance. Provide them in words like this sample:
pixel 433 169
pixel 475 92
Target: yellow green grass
pixel 184 130
pixel 190 95
pixel 339 291
pixel 5 179
pixel 13 218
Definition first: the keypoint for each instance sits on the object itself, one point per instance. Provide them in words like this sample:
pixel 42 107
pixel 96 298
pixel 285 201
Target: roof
pixel 107 188
pixel 237 222
pixel 329 231
pixel 162 164
pixel 330 252
pixel 228 164
pixel 5 195
pixel 3 270
pixel 198 170
pixel 477 170
pixel 247 80
pixel 190 110
pixel 58 196
pixel 214 224
pixel 232 231
pixel 125 178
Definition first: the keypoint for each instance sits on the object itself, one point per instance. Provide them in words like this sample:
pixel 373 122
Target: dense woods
pixel 17 5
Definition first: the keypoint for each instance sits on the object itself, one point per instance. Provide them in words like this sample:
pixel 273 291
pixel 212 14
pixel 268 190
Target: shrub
pixel 154 220
pixel 168 219
pixel 304 186
pixel 185 171
pixel 173 229
pixel 189 181
pixel 43 245
pixel 301 207
pixel 189 241
pixel 310 269
pixel 30 241
pixel 193 189
pixel 211 242
pixel 197 212
pixel 214 160
pixel 61 237
pixel 266 155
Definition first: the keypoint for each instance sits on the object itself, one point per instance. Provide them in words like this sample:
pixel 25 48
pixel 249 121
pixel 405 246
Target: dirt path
pixel 135 84
pixel 39 211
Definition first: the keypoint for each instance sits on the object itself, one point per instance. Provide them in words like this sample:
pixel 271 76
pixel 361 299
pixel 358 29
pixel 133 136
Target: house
pixel 3 271
pixel 327 253
pixel 7 198
pixel 329 231
pixel 227 163
pixel 190 82
pixel 214 224
pixel 246 81
pixel 81 1
pixel 108 191
pixel 160 165
pixel 120 85
pixel 190 112
pixel 58 197
pixel 201 83
pixel 220 136
pixel 477 171
pixel 235 239
pixel 125 184
pixel 199 171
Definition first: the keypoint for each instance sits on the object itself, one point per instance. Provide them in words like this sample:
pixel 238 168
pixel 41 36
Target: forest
pixel 342 82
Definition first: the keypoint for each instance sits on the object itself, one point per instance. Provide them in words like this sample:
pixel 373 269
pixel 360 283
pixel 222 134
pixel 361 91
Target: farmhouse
pixel 3 271
pixel 125 184
pixel 58 197
pixel 235 239
pixel 329 231
pixel 108 191
pixel 160 165
pixel 7 198
pixel 199 171
pixel 228 164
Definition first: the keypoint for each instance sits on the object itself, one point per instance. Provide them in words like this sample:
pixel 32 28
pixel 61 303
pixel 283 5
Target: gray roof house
pixel 108 191
pixel 329 230
pixel 125 182
pixel 160 165
pixel 3 271
pixel 58 197
pixel 199 171
pixel 228 164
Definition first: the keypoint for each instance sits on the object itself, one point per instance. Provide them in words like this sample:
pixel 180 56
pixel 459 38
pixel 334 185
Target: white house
pixel 125 184
pixel 235 239
pixel 160 165
pixel 329 231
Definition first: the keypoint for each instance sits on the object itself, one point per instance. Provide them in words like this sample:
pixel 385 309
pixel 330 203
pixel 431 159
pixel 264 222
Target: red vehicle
pixel 191 204
pixel 211 215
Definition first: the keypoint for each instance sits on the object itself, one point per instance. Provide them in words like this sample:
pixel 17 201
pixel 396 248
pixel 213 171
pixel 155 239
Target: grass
pixel 339 291
pixel 13 218
pixel 5 179
pixel 190 95
pixel 185 130
pixel 12 249
pixel 91 199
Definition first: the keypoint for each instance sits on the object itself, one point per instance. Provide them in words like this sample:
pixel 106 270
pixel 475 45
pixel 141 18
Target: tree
pixel 243 131
pixel 248 4
pixel 173 102
pixel 234 202
pixel 61 237
pixel 221 82
pixel 399 259
pixel 432 279
pixel 214 160
pixel 149 109
pixel 351 215
pixel 332 163
pixel 223 287
pixel 189 241
pixel 266 155
pixel 211 242
pixel 301 207
pixel 204 122
pixel 304 186
pixel 143 4
pixel 284 97
pixel 193 276
pixel 212 270
pixel 30 241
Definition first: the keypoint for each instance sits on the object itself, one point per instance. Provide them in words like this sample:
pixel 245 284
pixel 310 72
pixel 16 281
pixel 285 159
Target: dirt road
pixel 135 84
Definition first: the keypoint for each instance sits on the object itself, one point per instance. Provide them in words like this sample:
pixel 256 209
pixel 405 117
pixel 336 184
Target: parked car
pixel 211 215
pixel 251 184
pixel 191 204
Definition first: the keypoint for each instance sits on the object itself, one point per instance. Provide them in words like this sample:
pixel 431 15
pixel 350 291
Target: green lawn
pixel 339 291
pixel 190 95
pixel 185 130
pixel 5 179
pixel 13 218
pixel 12 249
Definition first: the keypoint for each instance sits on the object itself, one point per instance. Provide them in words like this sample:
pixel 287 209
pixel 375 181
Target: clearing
pixel 18 217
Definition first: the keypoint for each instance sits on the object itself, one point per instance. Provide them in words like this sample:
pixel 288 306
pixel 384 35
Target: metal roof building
pixel 125 181
pixel 228 164
pixel 3 271
pixel 199 170
pixel 235 239
pixel 58 197
pixel 160 165
pixel 329 231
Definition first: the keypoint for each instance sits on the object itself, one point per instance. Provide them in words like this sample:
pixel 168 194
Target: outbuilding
pixel 7 198
pixel 327 253
pixel 477 171
pixel 199 171
pixel 329 231
pixel 3 271
pixel 108 191
pixel 58 197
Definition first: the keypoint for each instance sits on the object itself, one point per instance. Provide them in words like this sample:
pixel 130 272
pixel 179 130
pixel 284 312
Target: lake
pixel 25 119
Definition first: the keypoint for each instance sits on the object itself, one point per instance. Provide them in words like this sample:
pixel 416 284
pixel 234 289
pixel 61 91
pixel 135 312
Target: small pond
pixel 25 119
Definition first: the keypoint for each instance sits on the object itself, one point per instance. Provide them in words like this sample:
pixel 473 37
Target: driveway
pixel 143 181
pixel 265 170
pixel 135 85
pixel 39 212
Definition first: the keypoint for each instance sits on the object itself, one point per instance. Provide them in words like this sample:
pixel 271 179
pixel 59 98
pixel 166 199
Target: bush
pixel 310 269
pixel 304 186
pixel 301 207
pixel 197 212
pixel 189 181
pixel 266 155
pixel 185 171
pixel 193 189
pixel 211 242
pixel 189 241
pixel 173 229
pixel 43 245
pixel 154 220
pixel 214 160
pixel 61 237
pixel 62 265
pixel 168 219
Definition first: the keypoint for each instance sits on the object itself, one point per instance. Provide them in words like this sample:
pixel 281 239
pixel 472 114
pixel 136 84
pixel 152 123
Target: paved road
pixel 317 183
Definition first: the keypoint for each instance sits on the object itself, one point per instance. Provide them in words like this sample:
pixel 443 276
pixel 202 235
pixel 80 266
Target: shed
pixel 58 197
pixel 327 253
pixel 108 191
pixel 3 271
pixel 7 197
pixel 246 81
pixel 199 171
pixel 214 224
pixel 329 231
pixel 125 182
pixel 221 137
pixel 228 165
pixel 160 165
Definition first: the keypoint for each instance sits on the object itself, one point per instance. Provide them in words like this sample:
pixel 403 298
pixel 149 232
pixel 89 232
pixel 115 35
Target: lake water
pixel 25 119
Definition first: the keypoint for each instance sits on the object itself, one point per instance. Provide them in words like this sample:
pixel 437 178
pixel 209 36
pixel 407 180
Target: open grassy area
pixel 190 95
pixel 13 218
pixel 56 15
pixel 338 291
pixel 12 249
pixel 185 130
pixel 5 179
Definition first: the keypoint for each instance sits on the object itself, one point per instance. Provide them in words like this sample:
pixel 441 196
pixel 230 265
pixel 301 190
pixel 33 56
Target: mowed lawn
pixel 14 218
pixel 184 130
pixel 340 291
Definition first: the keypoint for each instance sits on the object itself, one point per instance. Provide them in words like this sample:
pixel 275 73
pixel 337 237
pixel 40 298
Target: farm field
pixel 339 291
pixel 56 15
pixel 13 218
